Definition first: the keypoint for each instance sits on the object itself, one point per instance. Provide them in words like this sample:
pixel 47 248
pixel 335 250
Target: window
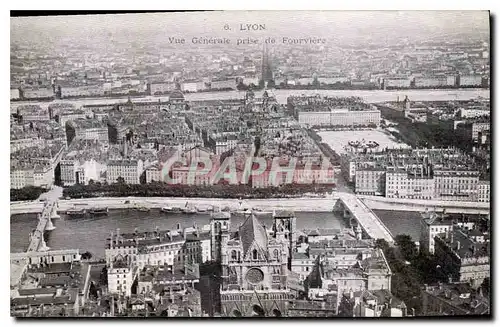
pixel 254 254
pixel 276 254
pixel 233 255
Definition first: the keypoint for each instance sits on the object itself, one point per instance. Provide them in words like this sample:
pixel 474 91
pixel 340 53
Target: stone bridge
pixel 49 212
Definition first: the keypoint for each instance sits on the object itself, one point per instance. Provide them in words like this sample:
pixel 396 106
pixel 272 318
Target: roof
pixel 284 214
pixel 36 291
pixel 299 256
pixel 253 231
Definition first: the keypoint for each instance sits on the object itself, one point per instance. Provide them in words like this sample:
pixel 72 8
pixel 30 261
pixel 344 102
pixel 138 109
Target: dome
pixel 176 95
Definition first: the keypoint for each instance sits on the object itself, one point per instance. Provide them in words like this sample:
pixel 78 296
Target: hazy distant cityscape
pixel 251 164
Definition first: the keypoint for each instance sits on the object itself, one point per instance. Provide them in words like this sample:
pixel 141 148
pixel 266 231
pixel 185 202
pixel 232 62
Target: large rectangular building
pixel 340 117
pixel 129 170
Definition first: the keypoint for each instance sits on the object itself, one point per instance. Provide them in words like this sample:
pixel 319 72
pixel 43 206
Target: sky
pixel 331 24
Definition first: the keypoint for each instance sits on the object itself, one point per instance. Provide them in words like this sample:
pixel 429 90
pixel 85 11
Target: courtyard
pixel 337 140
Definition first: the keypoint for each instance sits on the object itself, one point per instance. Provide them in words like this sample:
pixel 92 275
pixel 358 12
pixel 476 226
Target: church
pixel 255 265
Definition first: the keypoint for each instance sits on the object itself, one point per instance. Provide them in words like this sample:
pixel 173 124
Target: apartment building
pixel 82 90
pixel 483 192
pixel 404 184
pixel 458 184
pixel 370 180
pixel 479 127
pixel 156 88
pixel 453 299
pixel 172 249
pixel 435 223
pixel 128 169
pixel 340 117
pixel 38 93
pixel 464 255
pixel 438 81
pixel 87 129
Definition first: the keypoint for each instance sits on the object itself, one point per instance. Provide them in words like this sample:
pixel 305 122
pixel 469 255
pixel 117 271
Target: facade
pixel 121 274
pixel 370 181
pixel 302 265
pixel 409 185
pixel 453 299
pixel 474 113
pixel 129 170
pixel 52 283
pixel 78 171
pixel 456 184
pixel 470 80
pixel 483 191
pixel 438 81
pixel 223 84
pixel 38 93
pixel 345 117
pixel 435 223
pixel 373 304
pixel 154 174
pixel 255 266
pixel 41 175
pixel 172 249
pixel 82 91
pixel 161 87
pixel 14 94
pixel 72 116
pixel 87 129
pixel 372 272
pixel 397 83
pixel 464 255
pixel 479 127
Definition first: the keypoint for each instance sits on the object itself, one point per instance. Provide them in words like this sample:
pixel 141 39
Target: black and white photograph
pixel 239 164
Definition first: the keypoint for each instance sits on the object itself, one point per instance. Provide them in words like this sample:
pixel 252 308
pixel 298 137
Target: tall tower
pixel 219 233
pixel 285 231
pixel 267 73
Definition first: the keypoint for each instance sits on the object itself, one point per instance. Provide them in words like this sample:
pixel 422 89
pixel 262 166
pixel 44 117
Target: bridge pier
pixel 53 211
pixel 50 226
pixel 43 246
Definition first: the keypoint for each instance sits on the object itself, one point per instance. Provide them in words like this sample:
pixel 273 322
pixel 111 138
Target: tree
pixel 120 180
pixel 407 246
pixel 382 244
pixel 103 278
pixel 86 255
pixel 486 285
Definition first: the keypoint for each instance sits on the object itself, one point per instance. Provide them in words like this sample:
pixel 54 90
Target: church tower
pixel 285 231
pixel 267 73
pixel 406 104
pixel 220 224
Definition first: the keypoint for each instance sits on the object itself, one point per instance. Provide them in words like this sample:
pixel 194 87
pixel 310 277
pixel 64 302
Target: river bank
pixel 296 204
pixel 311 204
pixel 370 96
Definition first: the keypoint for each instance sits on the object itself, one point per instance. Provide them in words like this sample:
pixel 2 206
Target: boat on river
pixel 168 209
pixel 99 211
pixel 76 213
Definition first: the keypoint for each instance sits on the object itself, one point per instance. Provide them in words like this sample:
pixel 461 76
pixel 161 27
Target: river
pixel 371 96
pixel 89 234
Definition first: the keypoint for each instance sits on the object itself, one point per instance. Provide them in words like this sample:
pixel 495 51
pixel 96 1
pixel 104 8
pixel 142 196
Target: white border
pixel 196 5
